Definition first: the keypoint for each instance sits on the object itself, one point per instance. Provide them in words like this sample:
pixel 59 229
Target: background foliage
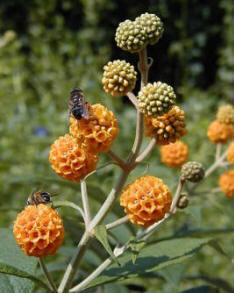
pixel 47 48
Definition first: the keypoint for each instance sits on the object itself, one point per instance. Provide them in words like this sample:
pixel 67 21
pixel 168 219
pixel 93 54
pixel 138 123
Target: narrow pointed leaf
pixel 136 247
pixel 101 235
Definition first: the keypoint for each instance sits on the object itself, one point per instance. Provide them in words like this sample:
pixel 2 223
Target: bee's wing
pixel 86 110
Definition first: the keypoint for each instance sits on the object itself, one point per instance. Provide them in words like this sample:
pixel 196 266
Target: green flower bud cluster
pixel 133 36
pixel 153 26
pixel 225 114
pixel 192 171
pixel 119 78
pixel 182 202
pixel 156 99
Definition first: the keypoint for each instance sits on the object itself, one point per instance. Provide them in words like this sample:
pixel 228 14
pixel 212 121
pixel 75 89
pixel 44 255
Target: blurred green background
pixel 49 47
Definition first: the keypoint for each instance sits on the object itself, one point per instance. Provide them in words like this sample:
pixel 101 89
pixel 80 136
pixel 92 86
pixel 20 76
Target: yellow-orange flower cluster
pixel 168 127
pixel 38 230
pixel 146 200
pixel 76 155
pixel 174 154
pixel 69 160
pixel 230 153
pixel 220 132
pixel 226 183
pixel 98 132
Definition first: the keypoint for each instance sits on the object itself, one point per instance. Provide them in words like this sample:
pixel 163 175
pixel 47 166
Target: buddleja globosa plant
pixel 147 201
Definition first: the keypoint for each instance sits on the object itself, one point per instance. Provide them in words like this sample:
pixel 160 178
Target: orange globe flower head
pixel 168 127
pixel 97 133
pixel 174 154
pixel 230 153
pixel 146 200
pixel 220 132
pixel 38 230
pixel 70 160
pixel 226 183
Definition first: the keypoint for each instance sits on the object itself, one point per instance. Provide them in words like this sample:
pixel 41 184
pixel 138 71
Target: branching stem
pixel 116 158
pixel 145 234
pixel 126 169
pixel 146 152
pixel 216 164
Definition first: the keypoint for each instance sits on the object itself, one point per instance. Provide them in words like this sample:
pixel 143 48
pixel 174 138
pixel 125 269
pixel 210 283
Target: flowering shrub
pixel 147 200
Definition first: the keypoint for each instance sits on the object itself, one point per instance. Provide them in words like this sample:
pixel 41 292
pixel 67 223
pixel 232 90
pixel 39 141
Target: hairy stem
pixel 101 214
pixel 145 234
pixel 133 99
pixel 110 200
pixel 66 203
pixel 218 151
pixel 117 223
pixel 74 263
pixel 47 275
pixel 177 195
pixel 147 151
pixel 92 276
pixel 210 170
pixel 85 202
pixel 116 158
pixel 143 68
pixel 215 165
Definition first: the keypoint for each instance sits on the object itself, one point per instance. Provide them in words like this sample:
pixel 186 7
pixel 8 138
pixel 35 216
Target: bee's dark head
pixel 46 196
pixel 76 90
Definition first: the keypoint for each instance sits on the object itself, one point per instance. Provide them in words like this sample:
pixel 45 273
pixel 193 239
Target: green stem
pixel 47 275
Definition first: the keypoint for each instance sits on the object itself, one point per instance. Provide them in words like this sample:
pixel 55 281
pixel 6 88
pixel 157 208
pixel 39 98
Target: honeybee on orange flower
pixel 78 107
pixel 38 197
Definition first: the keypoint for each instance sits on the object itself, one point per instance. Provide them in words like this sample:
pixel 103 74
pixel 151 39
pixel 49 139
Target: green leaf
pixel 173 273
pixel 136 247
pixel 202 289
pixel 195 212
pixel 153 257
pixel 115 288
pixel 19 268
pixel 101 235
pixel 214 233
pixel 217 246
pixel 10 270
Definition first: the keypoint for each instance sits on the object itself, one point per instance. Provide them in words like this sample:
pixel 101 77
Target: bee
pixel 38 197
pixel 78 107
